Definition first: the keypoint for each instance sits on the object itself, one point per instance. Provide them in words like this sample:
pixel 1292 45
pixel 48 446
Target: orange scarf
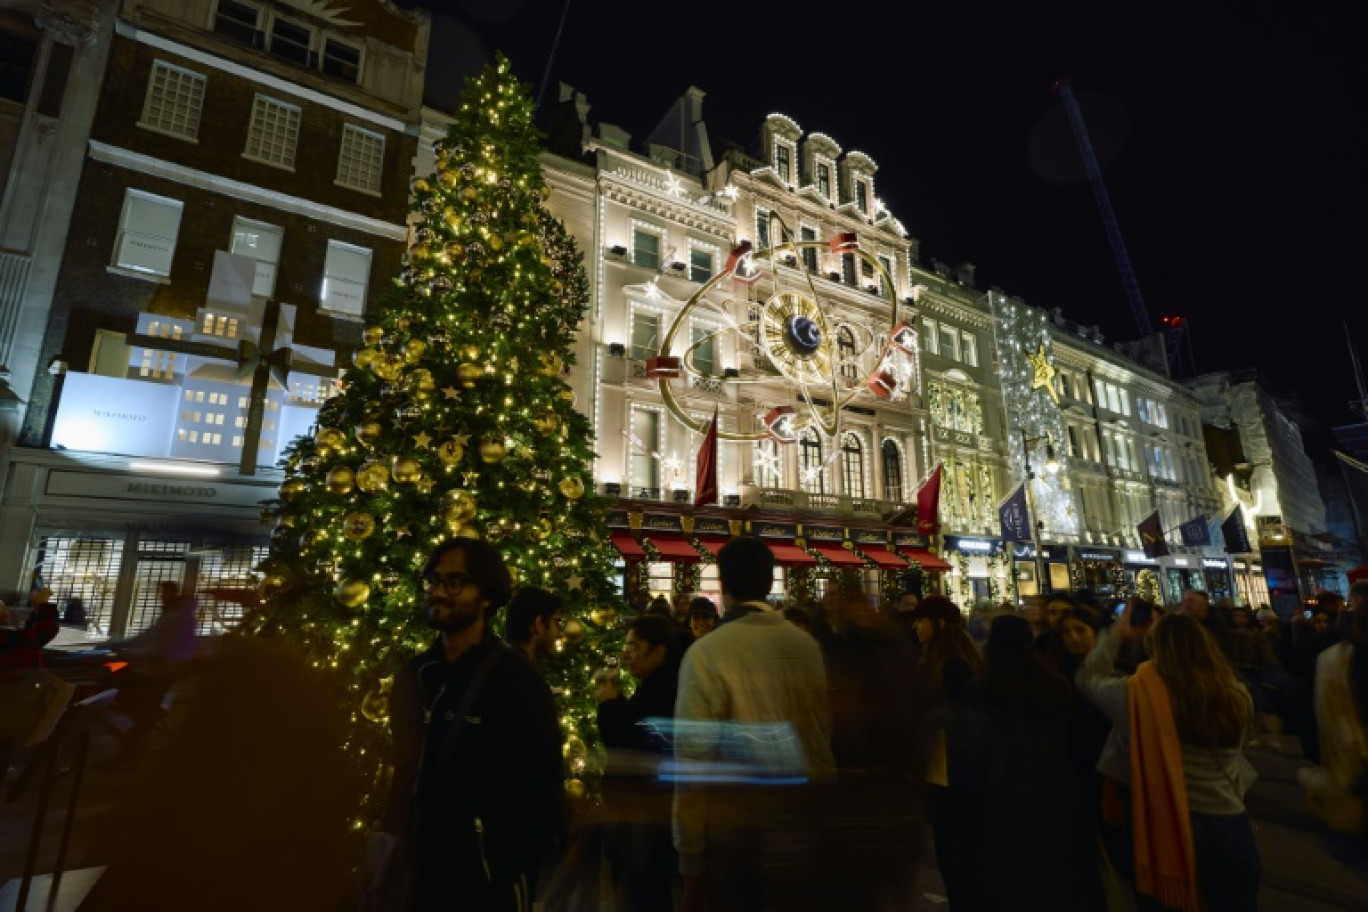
pixel 1165 863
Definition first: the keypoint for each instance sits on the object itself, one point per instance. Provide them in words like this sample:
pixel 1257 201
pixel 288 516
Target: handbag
pixel 31 702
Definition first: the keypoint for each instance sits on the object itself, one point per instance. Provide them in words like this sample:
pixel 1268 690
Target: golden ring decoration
pixel 794 332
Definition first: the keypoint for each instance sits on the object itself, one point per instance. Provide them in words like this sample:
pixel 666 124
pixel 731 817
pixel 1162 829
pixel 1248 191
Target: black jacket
pixel 484 807
pixel 619 719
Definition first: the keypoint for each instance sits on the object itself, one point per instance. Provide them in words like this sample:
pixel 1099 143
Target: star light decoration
pixel 765 464
pixel 1043 373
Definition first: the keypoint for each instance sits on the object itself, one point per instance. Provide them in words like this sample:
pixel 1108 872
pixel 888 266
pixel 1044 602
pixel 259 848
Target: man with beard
pixel 477 772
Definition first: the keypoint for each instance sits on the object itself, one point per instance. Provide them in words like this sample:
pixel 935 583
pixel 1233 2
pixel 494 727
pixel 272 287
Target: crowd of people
pixel 1065 757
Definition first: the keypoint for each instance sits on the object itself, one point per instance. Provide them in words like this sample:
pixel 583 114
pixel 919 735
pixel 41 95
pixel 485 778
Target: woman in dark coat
pixel 1035 815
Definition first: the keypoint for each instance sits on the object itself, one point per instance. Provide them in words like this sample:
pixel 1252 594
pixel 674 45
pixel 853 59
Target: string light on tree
pixel 442 432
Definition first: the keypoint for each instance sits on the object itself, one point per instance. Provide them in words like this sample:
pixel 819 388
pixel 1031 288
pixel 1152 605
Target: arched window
pixel 845 353
pixel 812 478
pixel 852 465
pixel 892 472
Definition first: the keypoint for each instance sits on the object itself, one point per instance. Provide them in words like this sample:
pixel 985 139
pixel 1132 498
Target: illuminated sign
pixel 1137 557
pixel 1213 564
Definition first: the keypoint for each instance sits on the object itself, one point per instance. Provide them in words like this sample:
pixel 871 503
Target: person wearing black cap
pixel 702 617
pixel 478 778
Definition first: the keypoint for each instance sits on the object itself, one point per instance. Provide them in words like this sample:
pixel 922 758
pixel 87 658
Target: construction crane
pixel 1175 328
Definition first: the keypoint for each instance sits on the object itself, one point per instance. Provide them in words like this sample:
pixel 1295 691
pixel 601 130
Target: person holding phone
pixel 1179 725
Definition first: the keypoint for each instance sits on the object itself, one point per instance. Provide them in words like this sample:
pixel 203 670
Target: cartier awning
pixel 675 549
pixel 714 545
pixel 790 555
pixel 838 557
pixel 884 557
pixel 925 559
pixel 627 546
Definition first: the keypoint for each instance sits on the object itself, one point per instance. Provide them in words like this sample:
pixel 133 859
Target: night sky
pixel 1232 136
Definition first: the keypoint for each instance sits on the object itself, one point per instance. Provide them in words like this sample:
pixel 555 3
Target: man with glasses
pixel 534 622
pixel 477 771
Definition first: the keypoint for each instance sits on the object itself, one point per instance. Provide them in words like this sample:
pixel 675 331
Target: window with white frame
pixel 158 363
pixel 783 161
pixel 848 272
pixel 645 334
pixel 862 194
pixel 1162 414
pixel 1101 389
pixel 291 41
pixel 812 474
pixel 845 353
pixel 361 159
pixel 823 178
pixel 646 243
pixel 1142 409
pixel 949 342
pixel 644 468
pixel 705 354
pixel 762 229
pixel 930 336
pixel 346 275
pixel 892 471
pixel 969 348
pixel 148 228
pixel 261 242
pixel 273 133
pixel 225 327
pixel 808 233
pixel 887 264
pixel 852 465
pixel 1125 402
pixel 702 261
pixel 175 98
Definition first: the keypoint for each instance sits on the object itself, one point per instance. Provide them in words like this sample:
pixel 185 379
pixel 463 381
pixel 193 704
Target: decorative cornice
pixel 931 302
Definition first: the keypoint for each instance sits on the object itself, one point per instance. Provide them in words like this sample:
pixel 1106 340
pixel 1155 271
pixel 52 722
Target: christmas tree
pixel 455 421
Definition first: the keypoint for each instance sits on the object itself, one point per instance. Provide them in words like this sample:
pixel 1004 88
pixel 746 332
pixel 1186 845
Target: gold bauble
pixel 551 364
pixel 341 480
pixel 603 616
pixel 467 374
pixel 450 451
pixel 364 357
pixel 468 532
pixel 460 502
pixel 372 476
pixel 388 367
pixel 542 529
pixel 495 243
pixel 572 487
pixel 370 432
pixel 454 521
pixel 375 704
pixel 545 423
pixel 545 192
pixel 358 526
pixel 575 789
pixel 414 350
pixel 423 384
pixel 573 630
pixel 330 438
pixel 420 185
pixel 406 469
pixel 493 450
pixel 451 217
pixel 373 335
pixel 420 252
pixel 447 178
pixel 292 488
pixel 353 592
pixel 470 353
pixel 455 251
pixel 470 194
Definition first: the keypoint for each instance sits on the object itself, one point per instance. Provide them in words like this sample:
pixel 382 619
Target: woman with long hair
pixel 1179 725
pixel 960 766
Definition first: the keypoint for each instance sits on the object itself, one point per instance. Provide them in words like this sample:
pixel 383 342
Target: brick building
pixel 278 131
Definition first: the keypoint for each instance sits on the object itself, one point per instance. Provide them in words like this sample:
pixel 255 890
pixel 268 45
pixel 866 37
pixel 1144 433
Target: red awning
pixel 715 545
pixel 885 558
pixel 790 555
pixel 675 549
pixel 627 546
pixel 925 559
pixel 839 557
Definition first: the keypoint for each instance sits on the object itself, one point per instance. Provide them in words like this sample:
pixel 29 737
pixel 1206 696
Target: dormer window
pixel 823 179
pixel 862 195
pixel 783 162
pixel 291 41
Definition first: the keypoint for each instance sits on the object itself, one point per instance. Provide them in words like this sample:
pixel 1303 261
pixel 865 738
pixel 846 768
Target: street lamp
pixel 1051 468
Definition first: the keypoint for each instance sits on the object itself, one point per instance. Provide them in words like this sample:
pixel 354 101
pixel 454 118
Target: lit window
pixel 887 264
pixel 808 233
pixel 783 161
pixel 700 264
pixel 892 472
pixel 812 475
pixel 274 132
pixel 645 335
pixel 862 195
pixel 930 337
pixel 645 466
pixel 175 97
pixel 261 242
pixel 824 180
pixel 762 229
pixel 949 342
pixel 845 348
pixel 645 248
pixel 969 348
pixel 346 275
pixel 852 464
pixel 705 355
pixel 148 228
pixel 361 159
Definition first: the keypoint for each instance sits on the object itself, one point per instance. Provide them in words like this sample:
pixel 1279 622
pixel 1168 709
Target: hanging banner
pixel 1014 517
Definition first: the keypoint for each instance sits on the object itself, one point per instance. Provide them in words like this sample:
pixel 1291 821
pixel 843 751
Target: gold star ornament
pixel 1042 373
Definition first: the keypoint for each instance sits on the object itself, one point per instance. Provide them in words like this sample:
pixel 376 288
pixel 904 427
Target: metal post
pixel 59 866
pixel 1030 505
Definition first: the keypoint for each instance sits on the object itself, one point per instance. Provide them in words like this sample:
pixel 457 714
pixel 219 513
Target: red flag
pixel 928 503
pixel 705 491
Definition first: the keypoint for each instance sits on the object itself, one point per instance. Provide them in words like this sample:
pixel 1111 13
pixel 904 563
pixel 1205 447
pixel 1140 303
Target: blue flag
pixel 1014 516
pixel 1195 532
